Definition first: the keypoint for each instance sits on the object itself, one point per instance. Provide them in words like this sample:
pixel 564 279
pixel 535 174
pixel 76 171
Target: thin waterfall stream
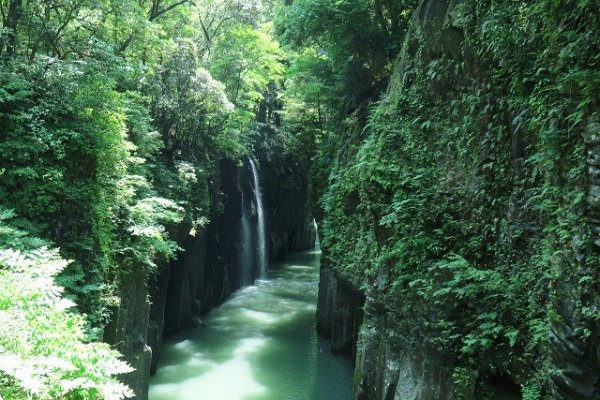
pixel 246 259
pixel 259 345
pixel 260 212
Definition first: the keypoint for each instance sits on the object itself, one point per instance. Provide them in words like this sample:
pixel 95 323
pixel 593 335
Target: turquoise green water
pixel 260 345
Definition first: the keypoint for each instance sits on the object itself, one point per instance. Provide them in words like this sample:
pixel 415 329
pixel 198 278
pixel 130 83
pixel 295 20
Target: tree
pixel 43 350
pixel 11 14
pixel 359 37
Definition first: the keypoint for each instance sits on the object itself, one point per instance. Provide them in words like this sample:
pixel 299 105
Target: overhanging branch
pixel 157 13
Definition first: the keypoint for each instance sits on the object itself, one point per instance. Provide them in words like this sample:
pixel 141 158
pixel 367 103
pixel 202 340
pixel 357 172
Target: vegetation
pixel 44 353
pixel 447 165
pixel 113 116
pixel 457 198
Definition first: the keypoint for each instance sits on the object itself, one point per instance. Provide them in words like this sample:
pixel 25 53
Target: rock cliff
pixel 471 258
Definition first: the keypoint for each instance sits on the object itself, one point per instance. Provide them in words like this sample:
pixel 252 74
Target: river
pixel 260 345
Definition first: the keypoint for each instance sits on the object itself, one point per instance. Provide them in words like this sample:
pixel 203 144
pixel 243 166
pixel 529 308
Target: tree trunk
pixel 9 42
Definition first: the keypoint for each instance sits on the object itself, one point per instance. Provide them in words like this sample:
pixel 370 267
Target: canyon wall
pixel 460 229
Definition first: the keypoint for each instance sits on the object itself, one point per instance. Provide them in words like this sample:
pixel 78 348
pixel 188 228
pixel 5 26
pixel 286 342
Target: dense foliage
pixel 458 198
pixel 44 353
pixel 113 116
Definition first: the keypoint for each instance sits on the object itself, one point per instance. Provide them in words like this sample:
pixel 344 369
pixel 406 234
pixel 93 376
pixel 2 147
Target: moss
pixel 466 189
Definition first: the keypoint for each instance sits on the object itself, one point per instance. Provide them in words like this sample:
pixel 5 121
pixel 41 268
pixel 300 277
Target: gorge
pixel 261 344
pixel 165 164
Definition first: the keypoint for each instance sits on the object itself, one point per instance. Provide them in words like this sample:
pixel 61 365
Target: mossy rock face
pixel 574 344
pixel 468 209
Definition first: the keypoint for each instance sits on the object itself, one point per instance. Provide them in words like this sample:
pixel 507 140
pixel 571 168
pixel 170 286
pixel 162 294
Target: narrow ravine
pixel 260 345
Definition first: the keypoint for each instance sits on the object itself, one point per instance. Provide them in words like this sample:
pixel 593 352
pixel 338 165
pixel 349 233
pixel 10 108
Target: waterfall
pixel 261 240
pixel 317 238
pixel 247 255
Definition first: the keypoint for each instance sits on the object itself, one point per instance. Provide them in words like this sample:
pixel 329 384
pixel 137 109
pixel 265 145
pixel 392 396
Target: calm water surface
pixel 260 345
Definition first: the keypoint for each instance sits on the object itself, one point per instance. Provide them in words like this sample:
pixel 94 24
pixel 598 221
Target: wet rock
pixel 593 172
pixel 339 312
pixel 205 272
pixel 593 198
pixel 591 134
pixel 185 277
pixel 128 328
pixel 158 294
pixel 386 370
pixel 593 158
